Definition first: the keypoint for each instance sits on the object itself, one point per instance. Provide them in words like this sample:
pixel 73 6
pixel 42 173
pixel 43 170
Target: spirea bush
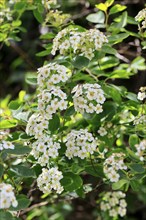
pixel 78 131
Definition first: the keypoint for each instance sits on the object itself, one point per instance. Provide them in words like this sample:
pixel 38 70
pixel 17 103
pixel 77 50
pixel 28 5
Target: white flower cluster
pixel 49 180
pixel 45 148
pixel 81 43
pixel 114 203
pixel 4 134
pixel 142 94
pixel 141 149
pixel 102 131
pixel 80 143
pixel 7 196
pixel 37 124
pixel 88 98
pixel 140 120
pixel 52 74
pixel 48 3
pixel 112 164
pixel 5 14
pixel 6 145
pixel 50 101
pixel 141 16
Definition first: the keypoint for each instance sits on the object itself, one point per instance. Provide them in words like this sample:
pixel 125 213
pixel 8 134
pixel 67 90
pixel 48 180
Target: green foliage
pixel 118 130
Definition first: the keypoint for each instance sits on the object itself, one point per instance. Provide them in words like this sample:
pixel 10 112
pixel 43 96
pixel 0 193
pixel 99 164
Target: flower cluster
pixel 80 143
pixel 141 16
pixel 5 14
pixel 141 149
pixel 7 196
pixel 45 148
pixel 6 145
pixel 49 3
pixel 49 180
pixel 140 120
pixel 142 94
pixel 50 101
pixel 37 124
pixel 88 98
pixel 112 165
pixel 80 43
pixel 52 74
pixel 114 203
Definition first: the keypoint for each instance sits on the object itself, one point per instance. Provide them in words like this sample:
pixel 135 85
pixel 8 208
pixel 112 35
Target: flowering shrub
pixel 79 130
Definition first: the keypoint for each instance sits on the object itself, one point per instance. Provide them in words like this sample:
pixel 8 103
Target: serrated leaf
pixel 38 16
pixel 108 49
pixel 118 38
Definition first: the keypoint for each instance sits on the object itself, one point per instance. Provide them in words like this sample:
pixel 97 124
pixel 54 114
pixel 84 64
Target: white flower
pixel 112 164
pixel 6 145
pixel 114 204
pixel 102 131
pixel 80 43
pixel 80 143
pixel 141 96
pixel 7 196
pixel 88 98
pixel 49 180
pixel 141 149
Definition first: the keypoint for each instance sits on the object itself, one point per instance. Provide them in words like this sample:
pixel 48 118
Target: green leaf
pixel 19 150
pixel 118 38
pixel 13 105
pixel 80 62
pixel 1 170
pixel 133 140
pixel 135 185
pixel 4 215
pixel 108 62
pixel 95 170
pixel 119 184
pixel 102 7
pixel 43 53
pixel 38 16
pixel 54 123
pixel 8 123
pixel 108 49
pixel 116 74
pixel 117 8
pixel 109 2
pixel 137 168
pixel 138 63
pixel 16 23
pixel 23 203
pixel 70 111
pixel 71 181
pixel 47 36
pixel 31 78
pixel 98 17
pixel 23 171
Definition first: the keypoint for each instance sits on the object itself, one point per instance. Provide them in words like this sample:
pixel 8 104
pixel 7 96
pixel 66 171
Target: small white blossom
pixel 141 149
pixel 102 131
pixel 7 196
pixel 112 164
pixel 80 43
pixel 80 143
pixel 49 180
pixel 88 98
pixel 114 203
pixel 6 145
pixel 141 16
